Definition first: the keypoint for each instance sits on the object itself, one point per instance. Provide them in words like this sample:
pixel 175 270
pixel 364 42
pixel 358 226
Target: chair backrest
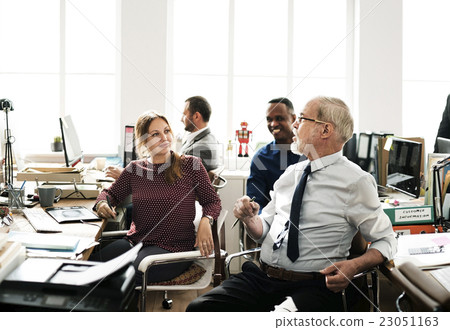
pixel 358 246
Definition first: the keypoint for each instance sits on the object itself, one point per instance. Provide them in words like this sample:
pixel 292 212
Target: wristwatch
pixel 211 219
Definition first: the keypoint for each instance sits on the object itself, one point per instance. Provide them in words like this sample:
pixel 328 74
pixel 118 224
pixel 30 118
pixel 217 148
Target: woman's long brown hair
pixel 173 172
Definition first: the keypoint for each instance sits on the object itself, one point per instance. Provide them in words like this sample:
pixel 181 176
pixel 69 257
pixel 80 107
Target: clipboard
pixel 72 214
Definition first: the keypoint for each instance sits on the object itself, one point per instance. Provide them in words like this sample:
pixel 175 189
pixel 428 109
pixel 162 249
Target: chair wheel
pixel 167 303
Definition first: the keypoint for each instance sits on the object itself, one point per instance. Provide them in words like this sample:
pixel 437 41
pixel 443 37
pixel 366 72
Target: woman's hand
pixel 104 211
pixel 204 238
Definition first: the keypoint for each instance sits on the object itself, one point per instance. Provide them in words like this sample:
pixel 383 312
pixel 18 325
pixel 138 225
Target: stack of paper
pixel 44 241
pixel 52 245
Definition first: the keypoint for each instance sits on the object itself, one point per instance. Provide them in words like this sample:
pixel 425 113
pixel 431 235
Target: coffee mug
pixel 100 163
pixel 47 195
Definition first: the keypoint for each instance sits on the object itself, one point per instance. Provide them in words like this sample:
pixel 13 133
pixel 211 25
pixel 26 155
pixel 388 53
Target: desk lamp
pixel 7 106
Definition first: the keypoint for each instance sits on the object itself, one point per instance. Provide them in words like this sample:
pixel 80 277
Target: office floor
pixel 181 300
pixel 388 295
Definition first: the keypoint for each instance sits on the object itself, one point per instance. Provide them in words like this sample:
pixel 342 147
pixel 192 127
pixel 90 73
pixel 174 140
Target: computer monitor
pixel 364 150
pixel 368 152
pixel 373 167
pixel 443 145
pixel 403 173
pixel 71 144
pixel 129 146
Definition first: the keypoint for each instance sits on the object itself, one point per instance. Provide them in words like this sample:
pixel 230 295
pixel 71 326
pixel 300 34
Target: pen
pixel 108 201
pixel 23 184
pixel 237 220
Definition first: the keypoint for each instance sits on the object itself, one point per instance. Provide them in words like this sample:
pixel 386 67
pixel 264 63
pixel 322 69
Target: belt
pixel 288 275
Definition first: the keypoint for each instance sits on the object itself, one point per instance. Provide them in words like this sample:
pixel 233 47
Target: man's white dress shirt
pixel 339 199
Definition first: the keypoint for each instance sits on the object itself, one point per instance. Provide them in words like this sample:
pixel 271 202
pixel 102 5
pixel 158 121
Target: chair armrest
pixel 114 234
pixel 219 182
pixel 235 255
pixel 166 258
pixel 151 260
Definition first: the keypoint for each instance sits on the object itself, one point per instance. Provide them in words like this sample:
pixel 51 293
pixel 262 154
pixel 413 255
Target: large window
pixel 426 72
pixel 58 58
pixel 240 54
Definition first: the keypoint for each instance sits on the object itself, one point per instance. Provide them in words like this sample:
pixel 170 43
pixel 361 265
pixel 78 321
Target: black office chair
pixel 366 283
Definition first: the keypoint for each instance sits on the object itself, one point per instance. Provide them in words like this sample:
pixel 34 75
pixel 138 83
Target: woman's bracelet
pixel 99 203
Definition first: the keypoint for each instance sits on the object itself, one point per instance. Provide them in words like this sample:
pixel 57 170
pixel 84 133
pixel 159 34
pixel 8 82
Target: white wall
pixel 143 58
pixel 378 89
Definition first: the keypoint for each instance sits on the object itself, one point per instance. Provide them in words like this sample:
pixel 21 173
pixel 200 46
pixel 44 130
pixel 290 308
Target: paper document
pixel 409 244
pixel 443 277
pixel 84 244
pixel 84 276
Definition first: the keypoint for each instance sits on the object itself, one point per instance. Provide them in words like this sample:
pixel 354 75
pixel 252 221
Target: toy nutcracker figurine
pixel 243 137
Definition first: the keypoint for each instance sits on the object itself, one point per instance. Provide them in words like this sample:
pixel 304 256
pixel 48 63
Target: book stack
pixel 12 254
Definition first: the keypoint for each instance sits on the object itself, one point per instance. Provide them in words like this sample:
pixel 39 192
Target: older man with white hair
pixel 317 207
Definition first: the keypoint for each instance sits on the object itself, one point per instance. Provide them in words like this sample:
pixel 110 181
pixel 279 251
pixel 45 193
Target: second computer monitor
pixel 72 149
pixel 403 174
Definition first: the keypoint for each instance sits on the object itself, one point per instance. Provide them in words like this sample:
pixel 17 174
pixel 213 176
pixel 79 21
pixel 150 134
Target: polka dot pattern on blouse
pixel 163 213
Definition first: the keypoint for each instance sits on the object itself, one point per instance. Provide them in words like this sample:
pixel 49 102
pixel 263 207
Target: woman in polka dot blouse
pixel 164 187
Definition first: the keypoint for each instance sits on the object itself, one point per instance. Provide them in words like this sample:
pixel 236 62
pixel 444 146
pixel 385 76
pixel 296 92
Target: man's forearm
pixel 370 259
pixel 254 226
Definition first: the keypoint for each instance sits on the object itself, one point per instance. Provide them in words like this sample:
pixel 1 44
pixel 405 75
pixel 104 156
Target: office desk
pixel 92 230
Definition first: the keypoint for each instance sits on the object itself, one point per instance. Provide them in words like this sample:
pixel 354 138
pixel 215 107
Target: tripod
pixel 6 106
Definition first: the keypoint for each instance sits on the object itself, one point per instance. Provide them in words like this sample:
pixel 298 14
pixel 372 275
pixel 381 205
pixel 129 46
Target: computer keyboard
pixel 41 221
